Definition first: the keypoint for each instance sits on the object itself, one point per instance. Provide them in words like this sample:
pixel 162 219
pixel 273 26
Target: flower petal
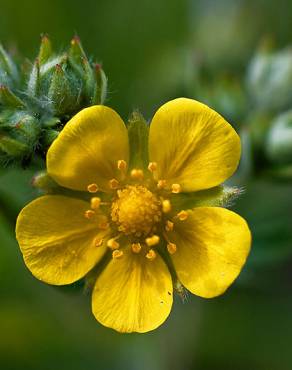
pixel 133 294
pixel 212 246
pixel 88 148
pixel 57 242
pixel 192 145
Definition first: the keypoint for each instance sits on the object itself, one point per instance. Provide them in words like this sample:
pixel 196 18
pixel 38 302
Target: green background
pixel 148 49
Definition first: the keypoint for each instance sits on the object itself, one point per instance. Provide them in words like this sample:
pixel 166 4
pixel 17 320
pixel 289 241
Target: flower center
pixel 136 210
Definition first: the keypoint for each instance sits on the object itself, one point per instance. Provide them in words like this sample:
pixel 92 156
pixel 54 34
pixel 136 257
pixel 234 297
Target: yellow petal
pixel 57 242
pixel 133 294
pixel 192 145
pixel 212 246
pixel 88 149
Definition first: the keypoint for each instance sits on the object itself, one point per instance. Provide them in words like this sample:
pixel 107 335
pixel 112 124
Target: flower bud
pixel 269 79
pixel 61 94
pixel 279 139
pixel 45 52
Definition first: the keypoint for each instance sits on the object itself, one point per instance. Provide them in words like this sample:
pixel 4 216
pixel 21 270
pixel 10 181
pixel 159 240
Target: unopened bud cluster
pixel 37 100
pixel 259 103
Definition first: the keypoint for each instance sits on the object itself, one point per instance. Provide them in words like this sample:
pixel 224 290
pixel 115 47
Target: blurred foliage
pixel 152 52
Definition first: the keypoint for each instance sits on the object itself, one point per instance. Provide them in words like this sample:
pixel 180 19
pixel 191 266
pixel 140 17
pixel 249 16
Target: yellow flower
pixel 134 214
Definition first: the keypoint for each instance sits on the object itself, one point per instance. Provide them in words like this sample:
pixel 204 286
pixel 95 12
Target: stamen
pixel 95 202
pixel 103 225
pixel 161 184
pixel 122 165
pixel 117 254
pixel 113 184
pixel 169 225
pixel 89 213
pixel 92 188
pixel 151 255
pixel 137 174
pixel 136 247
pixel 175 188
pixel 166 206
pixel 152 166
pixel 152 240
pixel 182 215
pixel 98 242
pixel 113 244
pixel 171 248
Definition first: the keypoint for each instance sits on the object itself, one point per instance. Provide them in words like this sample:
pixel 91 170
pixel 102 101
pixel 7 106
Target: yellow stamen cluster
pixel 136 210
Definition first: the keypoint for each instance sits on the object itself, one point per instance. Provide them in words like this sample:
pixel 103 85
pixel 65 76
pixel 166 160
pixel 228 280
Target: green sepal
pixel 7 66
pixel 33 86
pixel 138 131
pixel 77 56
pixel 76 51
pixel 8 99
pixel 60 94
pixel 12 147
pixel 89 80
pixel 46 51
pixel 219 196
pixel 100 90
pixel 44 182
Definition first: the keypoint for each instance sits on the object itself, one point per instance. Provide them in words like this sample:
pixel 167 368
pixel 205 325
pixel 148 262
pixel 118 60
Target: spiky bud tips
pixel 35 105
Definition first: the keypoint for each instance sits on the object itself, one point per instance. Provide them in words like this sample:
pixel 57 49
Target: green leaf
pixel 138 131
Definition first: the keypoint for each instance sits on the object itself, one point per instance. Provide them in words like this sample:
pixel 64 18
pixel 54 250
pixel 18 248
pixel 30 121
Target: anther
pixel 113 184
pixel 152 166
pixel 137 174
pixel 103 225
pixel 175 188
pixel 171 248
pixel 98 242
pixel 122 165
pixel 166 206
pixel 117 254
pixel 89 213
pixel 151 255
pixel 182 215
pixel 92 188
pixel 95 202
pixel 161 184
pixel 113 244
pixel 152 240
pixel 136 247
pixel 169 225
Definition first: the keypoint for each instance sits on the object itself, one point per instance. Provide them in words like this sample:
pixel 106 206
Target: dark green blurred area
pixel 147 50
